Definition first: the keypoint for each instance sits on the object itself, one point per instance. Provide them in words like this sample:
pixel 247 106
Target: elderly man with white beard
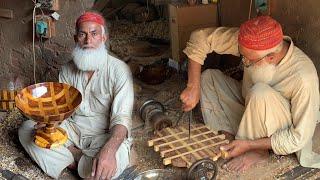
pixel 274 107
pixel 99 140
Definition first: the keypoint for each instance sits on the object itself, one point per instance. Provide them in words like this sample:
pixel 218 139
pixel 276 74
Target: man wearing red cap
pixel 274 107
pixel 99 139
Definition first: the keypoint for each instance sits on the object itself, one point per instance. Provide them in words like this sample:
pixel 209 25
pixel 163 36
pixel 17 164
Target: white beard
pixel 262 73
pixel 90 59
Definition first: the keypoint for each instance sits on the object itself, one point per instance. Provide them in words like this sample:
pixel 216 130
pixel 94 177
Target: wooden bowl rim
pixel 42 83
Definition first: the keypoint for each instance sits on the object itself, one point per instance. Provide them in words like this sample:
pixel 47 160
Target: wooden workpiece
pixel 177 149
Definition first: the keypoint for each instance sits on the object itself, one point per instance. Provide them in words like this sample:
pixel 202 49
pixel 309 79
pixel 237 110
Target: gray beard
pixel 90 59
pixel 262 74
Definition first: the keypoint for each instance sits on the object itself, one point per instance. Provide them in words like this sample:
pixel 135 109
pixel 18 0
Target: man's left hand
pixel 236 148
pixel 104 165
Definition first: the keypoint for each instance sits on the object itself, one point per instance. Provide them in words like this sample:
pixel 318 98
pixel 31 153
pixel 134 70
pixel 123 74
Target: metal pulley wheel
pixel 152 113
pixel 203 169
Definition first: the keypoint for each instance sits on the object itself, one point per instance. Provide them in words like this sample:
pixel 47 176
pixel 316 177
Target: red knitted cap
pixel 260 33
pixel 92 17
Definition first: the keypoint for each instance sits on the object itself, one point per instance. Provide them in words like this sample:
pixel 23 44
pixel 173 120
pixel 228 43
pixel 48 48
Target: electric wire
pixel 33 39
pixel 249 16
pixel 36 5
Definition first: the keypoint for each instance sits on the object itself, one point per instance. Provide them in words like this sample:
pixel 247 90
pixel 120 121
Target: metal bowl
pixel 156 174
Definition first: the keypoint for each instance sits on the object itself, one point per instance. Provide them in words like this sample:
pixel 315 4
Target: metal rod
pixel 190 119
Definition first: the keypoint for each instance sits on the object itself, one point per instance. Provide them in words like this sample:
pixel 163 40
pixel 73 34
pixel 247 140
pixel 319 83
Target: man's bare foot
pixel 228 135
pixel 133 157
pixel 246 161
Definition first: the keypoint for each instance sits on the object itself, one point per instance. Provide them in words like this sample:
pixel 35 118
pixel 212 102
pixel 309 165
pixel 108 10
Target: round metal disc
pixel 204 169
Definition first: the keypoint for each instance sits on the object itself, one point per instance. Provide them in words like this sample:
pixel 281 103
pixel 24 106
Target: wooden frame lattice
pixel 177 149
pixel 7 99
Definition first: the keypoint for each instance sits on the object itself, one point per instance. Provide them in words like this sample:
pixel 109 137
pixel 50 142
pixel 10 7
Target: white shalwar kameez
pixel 285 110
pixel 107 100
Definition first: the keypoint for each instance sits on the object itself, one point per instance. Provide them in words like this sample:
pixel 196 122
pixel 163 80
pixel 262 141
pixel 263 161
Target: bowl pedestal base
pixel 50 137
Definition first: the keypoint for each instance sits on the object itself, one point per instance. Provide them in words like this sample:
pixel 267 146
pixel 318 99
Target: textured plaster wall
pixel 16 40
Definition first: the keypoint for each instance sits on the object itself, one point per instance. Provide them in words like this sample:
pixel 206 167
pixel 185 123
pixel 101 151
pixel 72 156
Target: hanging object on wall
pixel 49 4
pixel 45 27
pixel 262 7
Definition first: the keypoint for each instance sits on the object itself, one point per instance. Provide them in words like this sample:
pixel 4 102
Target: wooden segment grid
pixel 7 99
pixel 177 149
pixel 56 102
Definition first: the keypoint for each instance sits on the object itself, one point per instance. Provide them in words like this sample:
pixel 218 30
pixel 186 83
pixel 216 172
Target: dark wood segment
pixel 49 101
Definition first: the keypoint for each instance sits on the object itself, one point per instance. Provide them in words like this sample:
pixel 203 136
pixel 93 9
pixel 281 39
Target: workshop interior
pixel 37 39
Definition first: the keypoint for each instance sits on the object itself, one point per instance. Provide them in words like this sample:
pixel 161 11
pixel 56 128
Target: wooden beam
pixel 6 13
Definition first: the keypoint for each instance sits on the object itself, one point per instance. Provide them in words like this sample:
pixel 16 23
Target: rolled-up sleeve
pixel 221 40
pixel 304 110
pixel 121 109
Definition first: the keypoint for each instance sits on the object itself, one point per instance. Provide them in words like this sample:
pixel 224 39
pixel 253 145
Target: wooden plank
pixel 309 174
pixel 157 147
pixel 178 152
pixel 6 13
pixel 162 153
pixel 296 172
pixel 151 142
pixel 190 149
pixel 176 147
pixel 167 161
pixel 209 152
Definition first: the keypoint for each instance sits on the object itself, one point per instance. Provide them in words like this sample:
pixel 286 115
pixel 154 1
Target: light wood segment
pixel 209 152
pixel 184 143
pixel 167 161
pixel 156 147
pixel 162 153
pixel 152 141
pixel 176 151
pixel 54 103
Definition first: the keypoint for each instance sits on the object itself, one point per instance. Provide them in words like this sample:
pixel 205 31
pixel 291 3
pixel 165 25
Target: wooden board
pixel 6 13
pixel 299 172
pixel 7 95
pixel 7 100
pixel 7 105
pixel 177 149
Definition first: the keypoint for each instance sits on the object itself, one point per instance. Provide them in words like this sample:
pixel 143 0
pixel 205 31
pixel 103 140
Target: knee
pixel 208 75
pixel 26 126
pixel 259 91
pixel 25 131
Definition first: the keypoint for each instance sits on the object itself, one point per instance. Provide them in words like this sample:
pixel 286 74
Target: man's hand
pixel 190 97
pixel 104 165
pixel 236 148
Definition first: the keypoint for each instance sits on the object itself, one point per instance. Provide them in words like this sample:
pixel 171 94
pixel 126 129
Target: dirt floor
pixel 14 158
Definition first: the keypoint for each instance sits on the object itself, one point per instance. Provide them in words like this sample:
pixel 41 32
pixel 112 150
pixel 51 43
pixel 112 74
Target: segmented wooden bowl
pixel 48 102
